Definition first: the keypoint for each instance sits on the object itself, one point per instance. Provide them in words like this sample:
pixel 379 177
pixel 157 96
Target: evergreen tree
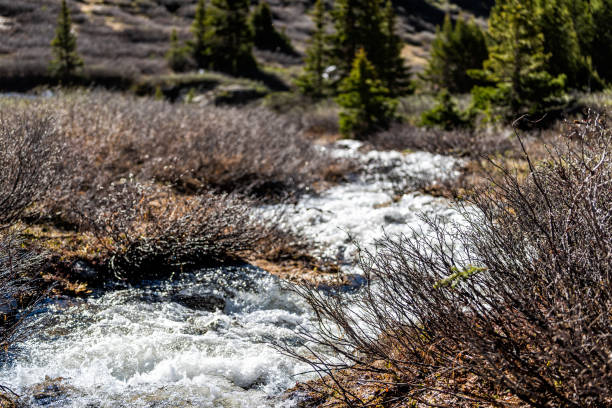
pixel 438 71
pixel 199 49
pixel 66 61
pixel 349 34
pixel 367 24
pixel 312 81
pixel 517 63
pixel 561 42
pixel 393 70
pixel 367 105
pixel 455 51
pixel 601 45
pixel 591 20
pixel 265 35
pixel 229 38
pixel 177 55
pixel 582 17
pixel 445 114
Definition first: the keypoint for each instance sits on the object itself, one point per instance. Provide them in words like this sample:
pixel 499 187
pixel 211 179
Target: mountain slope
pixel 120 38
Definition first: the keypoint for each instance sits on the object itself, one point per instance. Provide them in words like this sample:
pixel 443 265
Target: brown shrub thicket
pixel 518 295
pixel 29 160
pixel 457 142
pixel 154 188
pixel 147 230
pixel 18 291
pixel 250 150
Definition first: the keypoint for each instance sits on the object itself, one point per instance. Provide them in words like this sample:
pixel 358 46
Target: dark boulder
pixel 200 298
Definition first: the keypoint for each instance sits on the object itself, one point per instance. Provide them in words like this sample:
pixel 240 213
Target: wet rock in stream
pixel 200 298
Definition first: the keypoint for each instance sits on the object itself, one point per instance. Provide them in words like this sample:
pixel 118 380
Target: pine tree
pixel 229 38
pixel 393 71
pixel 455 51
pixel 198 29
pixel 64 45
pixel 562 43
pixel 582 16
pixel 601 45
pixel 370 25
pixel 438 71
pixel 177 55
pixel 265 35
pixel 517 63
pixel 445 114
pixel 471 44
pixel 358 24
pixel 312 81
pixel 367 105
pixel 591 20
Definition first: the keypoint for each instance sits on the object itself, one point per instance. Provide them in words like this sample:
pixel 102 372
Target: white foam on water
pixel 124 350
pixel 374 203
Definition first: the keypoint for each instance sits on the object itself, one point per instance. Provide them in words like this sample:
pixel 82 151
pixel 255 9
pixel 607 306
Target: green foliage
pixel 265 36
pixel 199 49
pixel 562 43
pixel 517 63
pixel 159 94
pixel 66 61
pixel 487 102
pixel 178 54
pixel 455 51
pixel 370 25
pixel 445 114
pixel 312 81
pixel 458 276
pixel 393 70
pixel 229 37
pixel 601 46
pixel 366 102
pixel 223 39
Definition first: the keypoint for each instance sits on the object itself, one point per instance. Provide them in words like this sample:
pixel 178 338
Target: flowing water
pixel 204 340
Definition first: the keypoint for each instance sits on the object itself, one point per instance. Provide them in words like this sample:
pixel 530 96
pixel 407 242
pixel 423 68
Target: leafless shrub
pixel 18 267
pixel 518 294
pixel 458 142
pixel 321 120
pixel 29 159
pixel 147 230
pixel 249 150
pixel 315 118
pixel 29 149
pixel 139 174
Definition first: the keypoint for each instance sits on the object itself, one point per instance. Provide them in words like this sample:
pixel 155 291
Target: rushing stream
pixel 203 340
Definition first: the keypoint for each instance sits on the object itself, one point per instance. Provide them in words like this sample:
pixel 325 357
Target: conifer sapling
pixel 64 44
pixel 366 102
